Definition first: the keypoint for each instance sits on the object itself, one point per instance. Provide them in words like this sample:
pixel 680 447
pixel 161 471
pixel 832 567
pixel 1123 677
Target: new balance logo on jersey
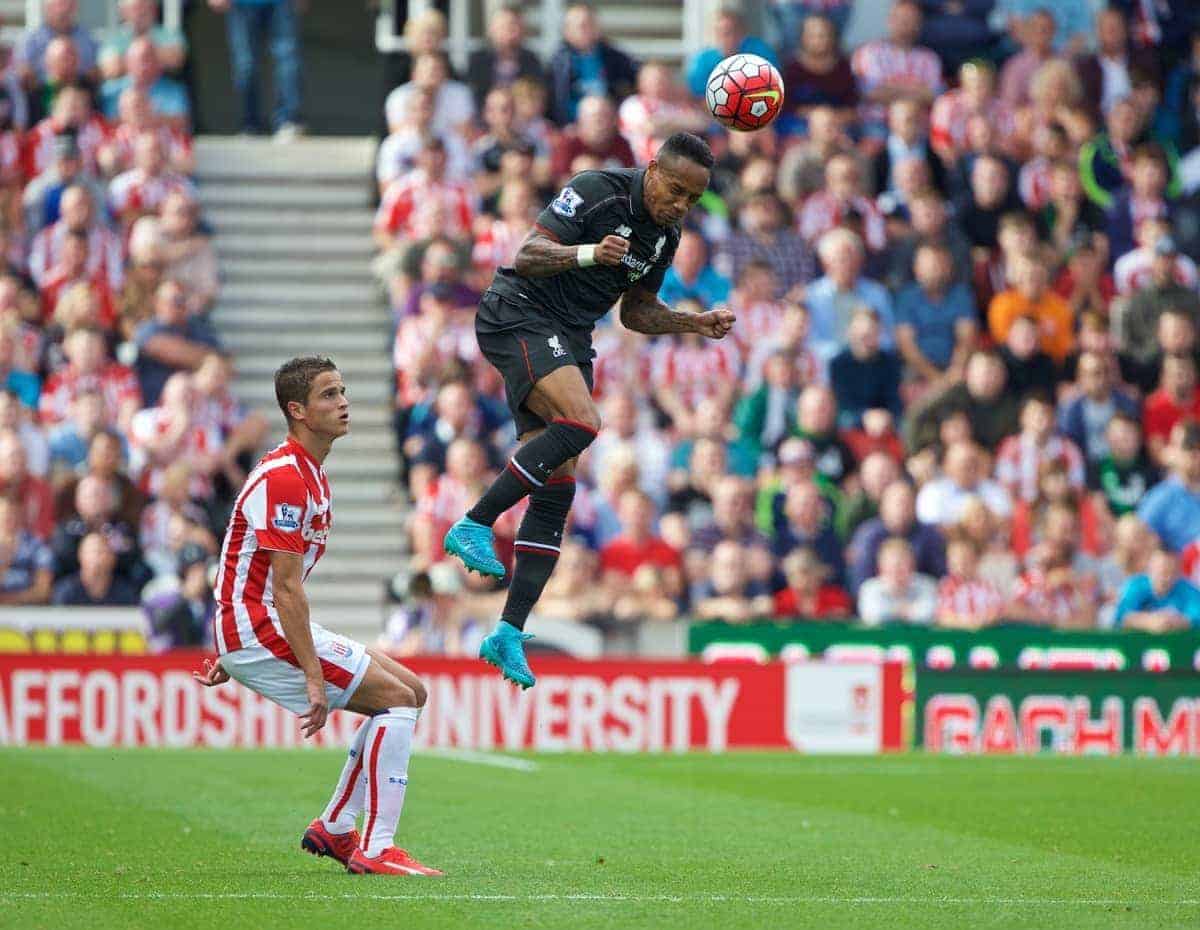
pixel 623 231
pixel 397 780
pixel 287 518
pixel 556 347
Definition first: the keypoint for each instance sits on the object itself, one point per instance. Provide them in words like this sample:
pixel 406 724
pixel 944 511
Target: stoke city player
pixel 265 640
pixel 607 236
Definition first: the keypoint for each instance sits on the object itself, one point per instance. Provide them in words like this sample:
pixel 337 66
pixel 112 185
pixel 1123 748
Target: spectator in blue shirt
pixel 586 66
pixel 729 38
pixel 936 321
pixel 168 98
pixel 834 298
pixel 25 384
pixel 59 18
pixel 26 563
pixel 1159 601
pixel 171 342
pixel 1172 507
pixel 691 277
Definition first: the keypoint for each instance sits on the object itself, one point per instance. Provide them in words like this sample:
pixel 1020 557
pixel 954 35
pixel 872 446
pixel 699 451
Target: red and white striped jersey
pixel 39 144
pixel 285 506
pixel 950 114
pixel 497 243
pixel 175 142
pixel 1033 183
pixel 882 63
pixel 969 597
pixel 1019 460
pixel 10 156
pixel 822 212
pixel 137 192
pixel 410 196
pixel 105 253
pixel 695 371
pixel 1134 271
pixel 117 384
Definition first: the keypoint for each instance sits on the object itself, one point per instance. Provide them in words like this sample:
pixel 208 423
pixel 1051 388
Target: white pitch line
pixel 482 758
pixel 602 899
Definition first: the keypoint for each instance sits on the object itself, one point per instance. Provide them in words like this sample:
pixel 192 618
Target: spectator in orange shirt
pixel 1177 399
pixel 1030 296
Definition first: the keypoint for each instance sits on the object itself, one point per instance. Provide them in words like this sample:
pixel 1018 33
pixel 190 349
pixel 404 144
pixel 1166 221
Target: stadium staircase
pixel 646 29
pixel 293 233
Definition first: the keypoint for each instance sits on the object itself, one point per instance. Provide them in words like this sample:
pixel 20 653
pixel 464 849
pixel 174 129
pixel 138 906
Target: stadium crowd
pixel 120 443
pixel 963 382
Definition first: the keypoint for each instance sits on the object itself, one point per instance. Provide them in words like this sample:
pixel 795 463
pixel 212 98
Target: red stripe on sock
pixel 373 788
pixel 567 422
pixel 561 479
pixel 525 481
pixel 533 550
pixel 342 801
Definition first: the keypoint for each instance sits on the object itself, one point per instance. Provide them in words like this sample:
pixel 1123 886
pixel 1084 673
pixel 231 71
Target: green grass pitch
pixel 148 838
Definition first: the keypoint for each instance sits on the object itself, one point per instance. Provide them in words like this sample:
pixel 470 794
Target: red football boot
pixel 392 861
pixel 320 842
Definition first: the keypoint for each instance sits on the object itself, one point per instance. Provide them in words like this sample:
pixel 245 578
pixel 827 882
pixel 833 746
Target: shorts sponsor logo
pixel 567 202
pixel 556 347
pixel 340 649
pixel 287 518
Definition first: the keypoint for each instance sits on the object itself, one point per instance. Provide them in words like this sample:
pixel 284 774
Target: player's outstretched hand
pixel 211 673
pixel 715 324
pixel 318 708
pixel 611 250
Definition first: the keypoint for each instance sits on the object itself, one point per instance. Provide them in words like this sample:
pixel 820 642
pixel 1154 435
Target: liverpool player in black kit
pixel 607 236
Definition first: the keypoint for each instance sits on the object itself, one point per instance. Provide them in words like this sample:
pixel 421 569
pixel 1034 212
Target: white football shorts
pixel 277 677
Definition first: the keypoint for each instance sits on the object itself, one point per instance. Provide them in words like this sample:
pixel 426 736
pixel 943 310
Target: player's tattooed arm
pixel 643 312
pixel 540 256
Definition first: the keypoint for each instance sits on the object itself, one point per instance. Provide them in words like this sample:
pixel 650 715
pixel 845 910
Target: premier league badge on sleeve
pixel 287 518
pixel 567 202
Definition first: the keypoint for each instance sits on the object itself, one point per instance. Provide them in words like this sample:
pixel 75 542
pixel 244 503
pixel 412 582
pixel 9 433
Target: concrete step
pixel 317 244
pixel 361 592
pixel 365 440
pixel 248 219
pixel 370 542
pixel 363 623
pixel 335 339
pixel 266 298
pixel 352 469
pixel 365 517
pixel 358 567
pixel 309 159
pixel 269 194
pixel 255 319
pixel 289 271
pixel 363 368
pixel 371 409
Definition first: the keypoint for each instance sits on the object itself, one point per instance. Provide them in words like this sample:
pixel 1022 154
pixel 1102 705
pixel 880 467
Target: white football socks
pixel 388 746
pixel 347 802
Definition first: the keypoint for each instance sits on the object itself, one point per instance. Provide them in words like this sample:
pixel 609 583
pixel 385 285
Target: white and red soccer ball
pixel 744 92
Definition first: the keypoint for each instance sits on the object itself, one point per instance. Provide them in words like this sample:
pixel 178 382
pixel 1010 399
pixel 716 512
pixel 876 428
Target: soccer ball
pixel 744 92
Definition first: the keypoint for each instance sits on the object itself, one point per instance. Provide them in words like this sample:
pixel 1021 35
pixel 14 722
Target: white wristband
pixel 585 256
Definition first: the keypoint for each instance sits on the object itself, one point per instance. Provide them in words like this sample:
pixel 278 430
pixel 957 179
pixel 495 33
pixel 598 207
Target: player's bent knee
pixel 420 694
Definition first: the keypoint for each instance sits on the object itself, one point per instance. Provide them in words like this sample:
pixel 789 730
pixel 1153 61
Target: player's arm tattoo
pixel 540 256
pixel 643 312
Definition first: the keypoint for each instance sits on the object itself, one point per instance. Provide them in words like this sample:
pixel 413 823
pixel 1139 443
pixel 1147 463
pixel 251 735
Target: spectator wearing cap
pixel 96 583
pixel 1172 507
pixel 453 106
pixel 42 196
pixel 887 69
pixel 833 298
pixel 763 233
pixel 1159 601
pixel 168 99
pixel 863 375
pixel 139 19
pixel 172 341
pixel 592 136
pixel 586 65
pixel 26 563
pixel 936 325
pixel 182 618
pixel 60 19
pixel 1136 322
pixel 505 58
pixel 898 593
pixel 403 213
